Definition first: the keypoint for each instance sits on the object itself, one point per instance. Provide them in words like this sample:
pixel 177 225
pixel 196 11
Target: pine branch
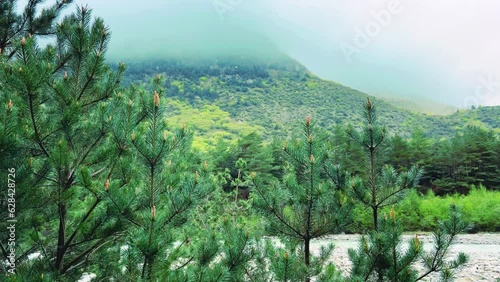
pixel 83 254
pixel 122 211
pixel 273 211
pixel 97 172
pixel 185 263
pixel 87 82
pixel 105 97
pixel 84 219
pixel 249 275
pixel 85 240
pixel 61 64
pixel 380 202
pixel 89 149
pixel 176 213
pixel 24 254
pixel 338 226
pixel 301 162
pixel 49 134
pixel 35 126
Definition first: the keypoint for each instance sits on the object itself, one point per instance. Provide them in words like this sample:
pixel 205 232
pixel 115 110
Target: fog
pixel 445 51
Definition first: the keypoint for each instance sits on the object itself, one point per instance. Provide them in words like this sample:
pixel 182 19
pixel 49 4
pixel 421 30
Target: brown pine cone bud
pixel 9 105
pixel 156 99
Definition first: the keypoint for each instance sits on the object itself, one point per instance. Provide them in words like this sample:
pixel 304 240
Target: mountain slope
pixel 274 92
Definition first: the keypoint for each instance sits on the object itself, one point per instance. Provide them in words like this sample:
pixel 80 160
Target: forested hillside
pixel 226 98
pixel 220 169
pixel 275 93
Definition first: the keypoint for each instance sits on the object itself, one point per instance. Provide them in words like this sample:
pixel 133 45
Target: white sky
pixel 439 50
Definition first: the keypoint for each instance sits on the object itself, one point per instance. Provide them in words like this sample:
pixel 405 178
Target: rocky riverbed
pixel 483 251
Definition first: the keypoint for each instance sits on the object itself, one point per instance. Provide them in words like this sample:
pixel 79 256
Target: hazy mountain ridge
pixel 420 105
pixel 274 92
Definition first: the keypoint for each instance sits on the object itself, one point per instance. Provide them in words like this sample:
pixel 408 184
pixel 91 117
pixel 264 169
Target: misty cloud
pixel 439 50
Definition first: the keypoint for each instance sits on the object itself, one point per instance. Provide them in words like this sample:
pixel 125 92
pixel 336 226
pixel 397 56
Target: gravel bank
pixel 483 250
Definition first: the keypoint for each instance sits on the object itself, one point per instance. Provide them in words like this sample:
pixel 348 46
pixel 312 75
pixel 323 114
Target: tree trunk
pixel 307 254
pixel 61 238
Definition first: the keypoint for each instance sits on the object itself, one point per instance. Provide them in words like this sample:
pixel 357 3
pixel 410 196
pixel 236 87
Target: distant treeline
pixel 471 157
pixel 244 67
pixel 453 165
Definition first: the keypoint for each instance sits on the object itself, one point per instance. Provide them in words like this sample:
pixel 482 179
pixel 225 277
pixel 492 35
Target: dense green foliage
pixel 277 93
pixel 310 201
pixel 61 136
pixel 211 124
pixel 107 172
pixel 14 25
pixel 380 256
pixel 224 98
pixel 380 185
pixel 450 165
pixel 422 212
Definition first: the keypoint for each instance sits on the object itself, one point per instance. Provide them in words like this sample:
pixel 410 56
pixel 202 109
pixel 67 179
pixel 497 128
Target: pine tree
pixel 382 186
pixel 310 201
pixel 248 154
pixel 226 249
pixel 31 21
pixel 419 147
pixel 13 27
pixel 59 90
pixel 257 155
pixel 468 158
pixel 163 190
pixel 225 241
pixel 347 154
pixel 106 179
pixel 480 157
pixel 443 161
pixel 380 256
pixel 398 154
